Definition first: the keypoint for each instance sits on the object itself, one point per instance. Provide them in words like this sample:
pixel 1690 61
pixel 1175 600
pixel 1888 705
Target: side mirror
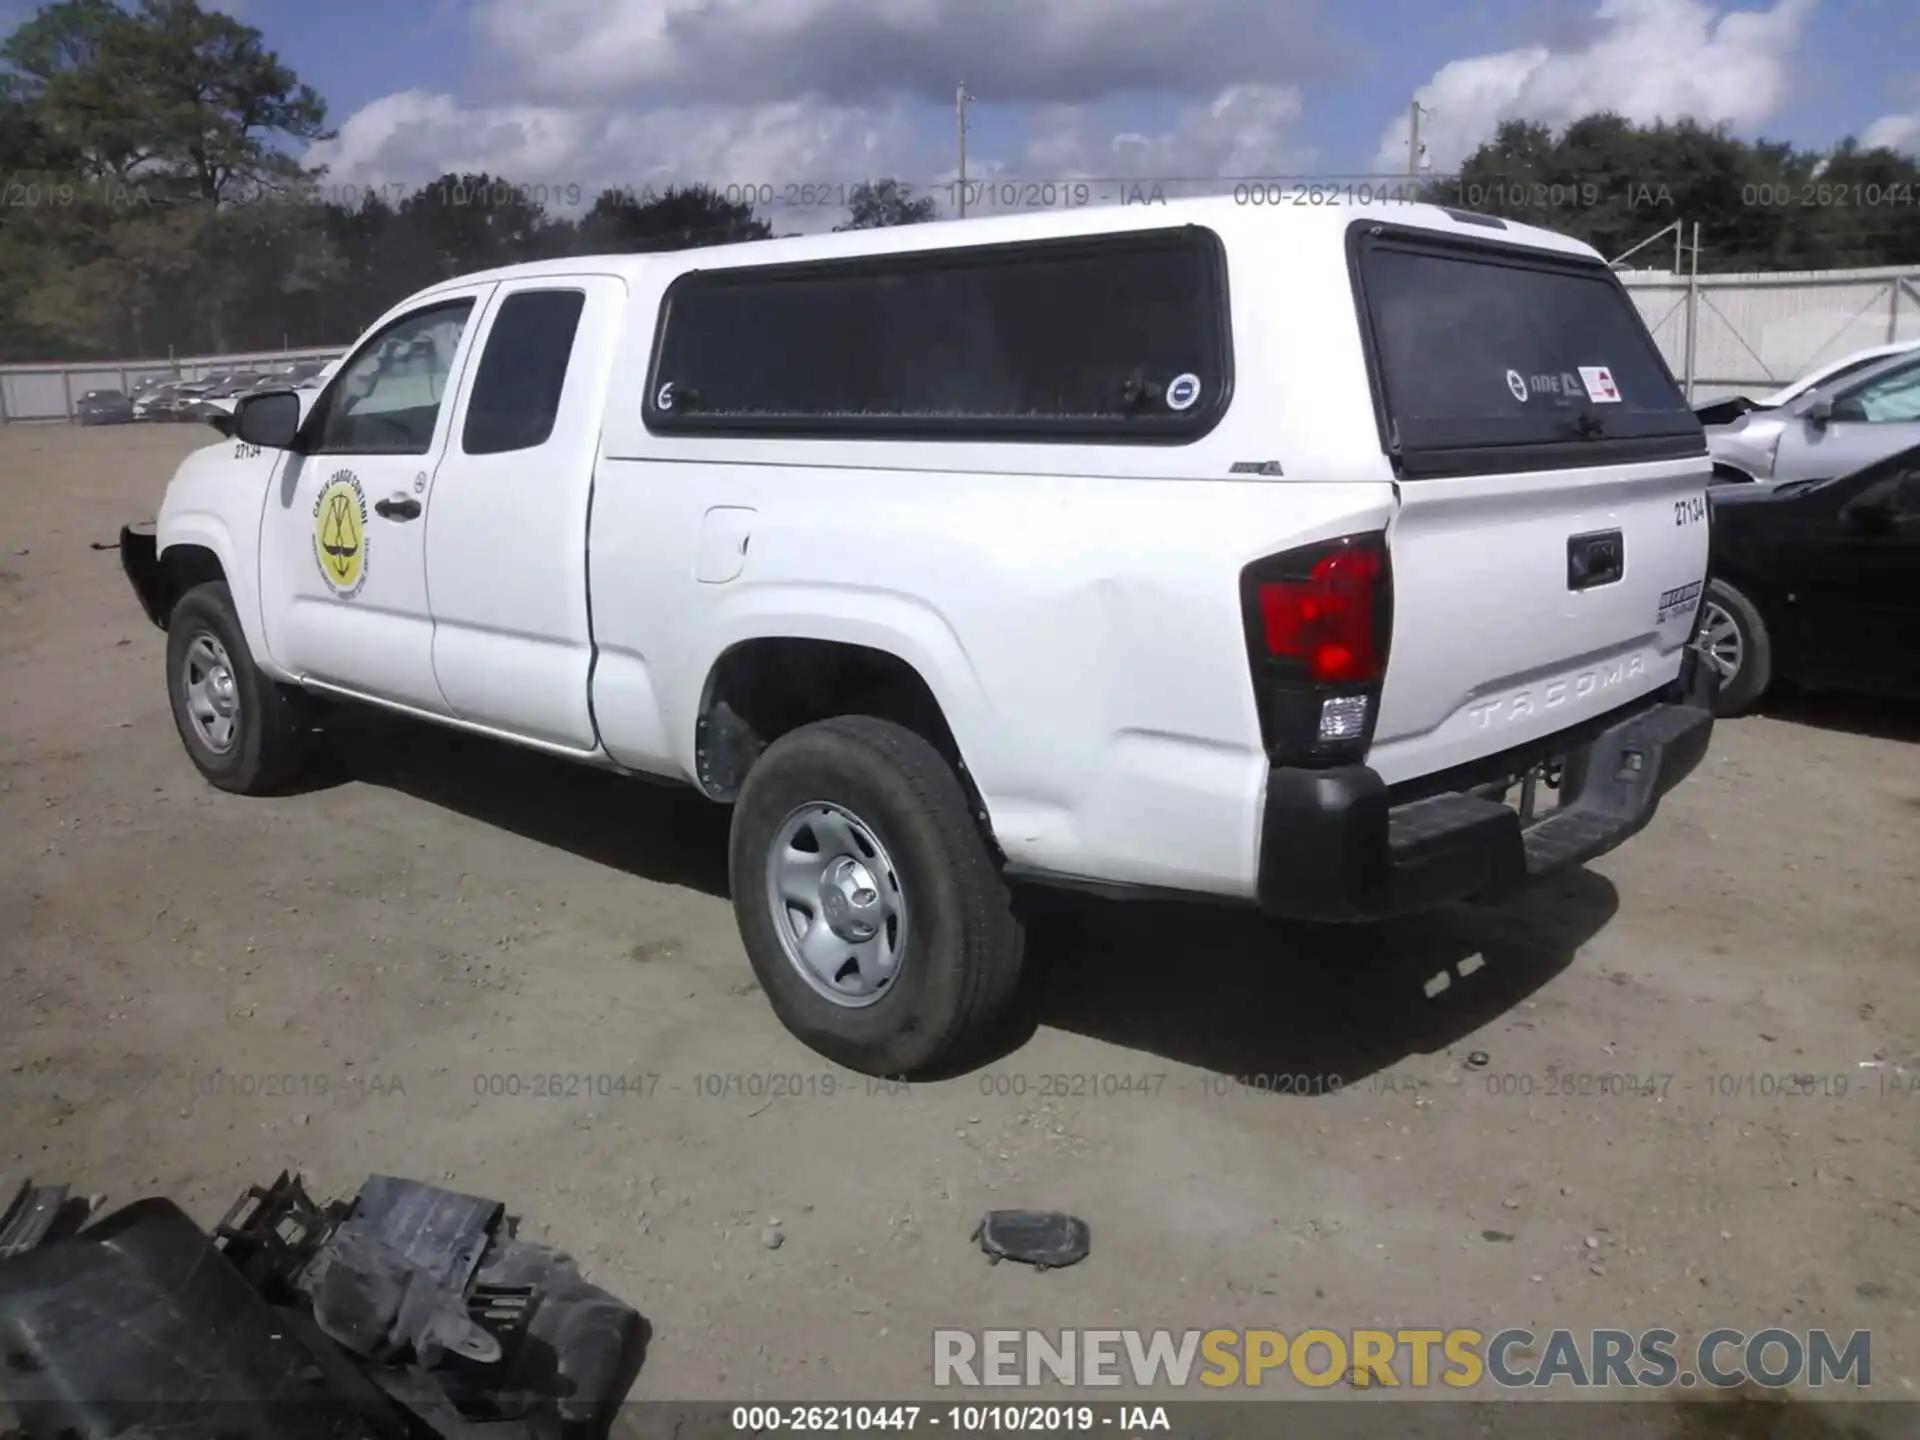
pixel 1821 413
pixel 270 419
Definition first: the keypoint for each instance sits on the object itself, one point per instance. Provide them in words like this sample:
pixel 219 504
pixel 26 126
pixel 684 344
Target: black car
pixel 103 407
pixel 1817 582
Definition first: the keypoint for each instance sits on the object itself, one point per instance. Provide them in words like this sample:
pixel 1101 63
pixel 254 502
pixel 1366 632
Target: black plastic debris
pixel 37 1214
pixel 394 1276
pixel 408 1312
pixel 1044 1239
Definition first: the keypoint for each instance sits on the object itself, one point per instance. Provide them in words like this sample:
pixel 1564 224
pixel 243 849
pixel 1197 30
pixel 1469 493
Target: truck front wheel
pixel 243 731
pixel 874 916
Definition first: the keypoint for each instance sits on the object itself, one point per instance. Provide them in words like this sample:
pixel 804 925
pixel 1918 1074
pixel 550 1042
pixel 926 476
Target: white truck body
pixel 1073 605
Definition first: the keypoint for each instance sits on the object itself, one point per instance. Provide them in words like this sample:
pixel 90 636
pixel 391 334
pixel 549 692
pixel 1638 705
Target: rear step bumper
pixel 1335 845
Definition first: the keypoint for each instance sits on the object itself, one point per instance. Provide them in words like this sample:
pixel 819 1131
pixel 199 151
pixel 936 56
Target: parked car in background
pixel 182 396
pixel 161 403
pixel 306 374
pixel 224 394
pixel 103 407
pixel 235 384
pixel 1834 428
pixel 1816 582
pixel 146 391
pixel 1725 412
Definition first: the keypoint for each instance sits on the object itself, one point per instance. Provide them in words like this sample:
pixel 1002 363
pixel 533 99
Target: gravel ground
pixel 198 989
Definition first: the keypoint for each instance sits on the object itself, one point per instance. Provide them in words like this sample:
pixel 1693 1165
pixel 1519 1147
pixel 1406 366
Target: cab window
pixel 386 400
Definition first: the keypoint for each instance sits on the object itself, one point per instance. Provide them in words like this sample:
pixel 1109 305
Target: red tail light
pixel 1327 621
pixel 1319 621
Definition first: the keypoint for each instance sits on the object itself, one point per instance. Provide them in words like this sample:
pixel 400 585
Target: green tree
pixel 875 203
pixel 477 221
pixel 168 92
pixel 676 219
pixel 141 135
pixel 1760 205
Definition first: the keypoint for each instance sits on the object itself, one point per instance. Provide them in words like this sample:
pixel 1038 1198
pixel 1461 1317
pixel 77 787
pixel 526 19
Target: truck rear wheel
pixel 243 730
pixel 874 916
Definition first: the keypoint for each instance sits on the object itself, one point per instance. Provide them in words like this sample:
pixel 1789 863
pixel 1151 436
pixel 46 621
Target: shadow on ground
pixel 1207 985
pixel 1876 717
pixel 1236 993
pixel 664 833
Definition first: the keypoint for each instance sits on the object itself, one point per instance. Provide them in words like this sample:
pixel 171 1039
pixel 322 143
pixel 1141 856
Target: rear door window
pixel 1488 358
pixel 523 370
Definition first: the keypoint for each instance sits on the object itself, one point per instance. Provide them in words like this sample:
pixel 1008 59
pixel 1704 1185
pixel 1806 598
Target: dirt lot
pixel 197 989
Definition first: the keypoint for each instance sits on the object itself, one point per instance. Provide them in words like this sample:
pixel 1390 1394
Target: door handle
pixel 400 507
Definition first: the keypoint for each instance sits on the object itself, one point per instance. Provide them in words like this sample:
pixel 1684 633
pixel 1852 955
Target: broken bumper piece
pixel 409 1311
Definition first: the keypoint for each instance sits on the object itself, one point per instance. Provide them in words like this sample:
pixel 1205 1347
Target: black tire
pixel 1754 670
pixel 960 962
pixel 272 735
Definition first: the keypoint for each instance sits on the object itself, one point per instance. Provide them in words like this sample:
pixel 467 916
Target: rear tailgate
pixel 1550 543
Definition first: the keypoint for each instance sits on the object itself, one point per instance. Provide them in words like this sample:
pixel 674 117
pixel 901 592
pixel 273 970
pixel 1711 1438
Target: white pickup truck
pixel 1188 548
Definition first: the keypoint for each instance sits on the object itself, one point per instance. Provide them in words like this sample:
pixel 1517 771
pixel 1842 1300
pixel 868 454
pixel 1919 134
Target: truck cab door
pixel 506 549
pixel 343 553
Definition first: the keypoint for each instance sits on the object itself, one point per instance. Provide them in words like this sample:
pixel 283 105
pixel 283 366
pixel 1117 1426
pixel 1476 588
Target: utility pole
pixel 960 98
pixel 1414 148
pixel 1693 307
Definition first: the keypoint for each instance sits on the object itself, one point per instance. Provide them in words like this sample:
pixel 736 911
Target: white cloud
pixel 1895 132
pixel 1647 60
pixel 772 94
pixel 1245 130
pixel 863 51
pixel 1900 130
pixel 766 152
pixel 570 154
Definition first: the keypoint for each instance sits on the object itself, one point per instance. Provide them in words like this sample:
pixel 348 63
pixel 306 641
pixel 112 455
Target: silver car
pixel 1836 427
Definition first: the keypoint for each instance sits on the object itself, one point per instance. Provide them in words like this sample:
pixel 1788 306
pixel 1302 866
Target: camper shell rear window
pixel 1488 357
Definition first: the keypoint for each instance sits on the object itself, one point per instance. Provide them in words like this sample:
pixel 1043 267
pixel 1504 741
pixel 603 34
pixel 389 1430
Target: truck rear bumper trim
pixel 1335 846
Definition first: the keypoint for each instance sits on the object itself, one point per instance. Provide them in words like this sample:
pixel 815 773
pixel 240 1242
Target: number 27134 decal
pixel 1690 511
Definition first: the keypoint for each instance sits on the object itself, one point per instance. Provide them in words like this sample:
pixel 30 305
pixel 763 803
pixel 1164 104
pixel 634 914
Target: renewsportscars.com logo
pixel 1413 1358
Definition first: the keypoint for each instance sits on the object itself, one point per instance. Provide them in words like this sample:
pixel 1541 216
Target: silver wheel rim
pixel 213 698
pixel 837 904
pixel 1720 642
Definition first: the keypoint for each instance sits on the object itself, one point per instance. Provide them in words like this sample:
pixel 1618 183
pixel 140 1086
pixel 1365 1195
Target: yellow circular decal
pixel 340 534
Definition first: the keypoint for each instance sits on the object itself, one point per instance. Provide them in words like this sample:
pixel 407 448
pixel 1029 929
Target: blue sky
pixel 778 93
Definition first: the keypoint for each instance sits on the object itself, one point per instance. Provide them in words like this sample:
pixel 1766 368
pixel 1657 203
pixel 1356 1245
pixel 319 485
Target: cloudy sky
pixel 785 93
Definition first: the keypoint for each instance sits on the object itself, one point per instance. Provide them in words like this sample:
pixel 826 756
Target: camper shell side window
pixel 1118 337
